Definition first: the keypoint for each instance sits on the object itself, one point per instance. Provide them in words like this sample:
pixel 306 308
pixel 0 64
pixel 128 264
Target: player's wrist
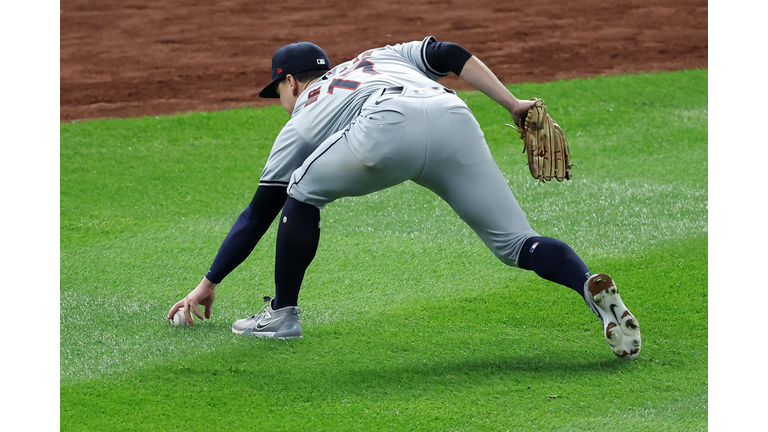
pixel 205 283
pixel 517 106
pixel 520 108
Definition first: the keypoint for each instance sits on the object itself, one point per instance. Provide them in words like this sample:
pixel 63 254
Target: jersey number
pixel 361 63
pixel 364 64
pixel 343 84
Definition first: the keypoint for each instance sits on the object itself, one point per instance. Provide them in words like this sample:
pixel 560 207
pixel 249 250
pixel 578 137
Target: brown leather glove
pixel 545 144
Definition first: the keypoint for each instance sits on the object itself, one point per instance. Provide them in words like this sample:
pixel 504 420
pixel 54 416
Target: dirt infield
pixel 130 58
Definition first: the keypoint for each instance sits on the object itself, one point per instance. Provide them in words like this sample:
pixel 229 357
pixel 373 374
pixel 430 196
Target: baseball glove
pixel 545 144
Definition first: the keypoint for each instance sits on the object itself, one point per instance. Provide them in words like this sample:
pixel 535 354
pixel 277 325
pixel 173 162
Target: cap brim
pixel 269 91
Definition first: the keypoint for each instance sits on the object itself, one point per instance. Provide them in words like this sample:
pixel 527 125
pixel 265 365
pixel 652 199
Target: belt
pixel 399 90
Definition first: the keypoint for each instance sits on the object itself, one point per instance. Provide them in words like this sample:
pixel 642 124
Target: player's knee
pixel 557 247
pixel 506 259
pixel 506 247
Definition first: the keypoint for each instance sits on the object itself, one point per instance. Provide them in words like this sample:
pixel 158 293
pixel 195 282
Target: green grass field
pixel 409 322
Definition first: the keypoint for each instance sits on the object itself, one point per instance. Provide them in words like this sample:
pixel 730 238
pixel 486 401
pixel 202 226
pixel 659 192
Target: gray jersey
pixel 381 119
pixel 333 102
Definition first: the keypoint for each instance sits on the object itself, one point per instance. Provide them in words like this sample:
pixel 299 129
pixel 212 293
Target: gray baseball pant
pixel 428 136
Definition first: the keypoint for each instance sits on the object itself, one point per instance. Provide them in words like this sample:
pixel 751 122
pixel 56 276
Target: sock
pixel 554 261
pixel 298 235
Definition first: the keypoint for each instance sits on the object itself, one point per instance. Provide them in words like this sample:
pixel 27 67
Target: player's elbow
pixel 445 57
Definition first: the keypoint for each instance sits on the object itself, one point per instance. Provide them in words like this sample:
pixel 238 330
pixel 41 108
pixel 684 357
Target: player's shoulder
pixel 398 48
pixel 416 45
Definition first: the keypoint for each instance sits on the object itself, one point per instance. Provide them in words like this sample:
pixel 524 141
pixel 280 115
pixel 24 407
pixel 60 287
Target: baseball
pixel 179 319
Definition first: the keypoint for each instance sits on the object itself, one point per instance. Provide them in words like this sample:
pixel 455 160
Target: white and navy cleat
pixel 622 331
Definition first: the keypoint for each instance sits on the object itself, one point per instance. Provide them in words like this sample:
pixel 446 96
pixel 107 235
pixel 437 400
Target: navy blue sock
pixel 298 235
pixel 554 261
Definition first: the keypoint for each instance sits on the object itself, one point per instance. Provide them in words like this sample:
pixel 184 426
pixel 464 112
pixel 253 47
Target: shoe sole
pixel 270 335
pixel 621 328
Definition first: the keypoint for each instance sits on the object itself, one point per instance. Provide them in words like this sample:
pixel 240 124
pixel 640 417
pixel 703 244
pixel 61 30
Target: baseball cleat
pixel 621 329
pixel 279 324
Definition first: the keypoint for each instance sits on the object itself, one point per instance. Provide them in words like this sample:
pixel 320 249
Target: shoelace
pixel 263 310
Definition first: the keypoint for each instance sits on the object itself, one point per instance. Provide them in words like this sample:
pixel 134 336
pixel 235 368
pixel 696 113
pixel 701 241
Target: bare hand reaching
pixel 203 294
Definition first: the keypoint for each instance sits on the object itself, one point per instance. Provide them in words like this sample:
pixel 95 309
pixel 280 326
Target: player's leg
pixel 554 260
pixel 481 197
pixel 465 175
pixel 463 172
pixel 373 154
pixel 332 171
pixel 298 236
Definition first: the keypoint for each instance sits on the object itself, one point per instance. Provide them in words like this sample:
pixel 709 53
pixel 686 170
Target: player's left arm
pixel 450 57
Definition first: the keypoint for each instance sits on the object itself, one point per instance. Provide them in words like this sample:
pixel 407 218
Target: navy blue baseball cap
pixel 292 59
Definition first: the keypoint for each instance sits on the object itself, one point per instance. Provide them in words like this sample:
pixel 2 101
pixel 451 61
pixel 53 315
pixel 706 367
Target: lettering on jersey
pixel 313 95
pixel 343 84
pixel 367 67
pixel 360 63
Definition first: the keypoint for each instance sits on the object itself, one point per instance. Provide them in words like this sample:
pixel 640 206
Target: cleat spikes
pixel 621 334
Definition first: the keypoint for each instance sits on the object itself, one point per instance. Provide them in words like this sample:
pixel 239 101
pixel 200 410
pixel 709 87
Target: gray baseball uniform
pixel 371 123
pixel 381 119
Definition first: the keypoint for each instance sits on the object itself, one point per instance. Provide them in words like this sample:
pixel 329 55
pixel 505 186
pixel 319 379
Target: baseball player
pixel 371 123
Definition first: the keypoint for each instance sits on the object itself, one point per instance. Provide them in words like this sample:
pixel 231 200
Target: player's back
pixel 333 102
